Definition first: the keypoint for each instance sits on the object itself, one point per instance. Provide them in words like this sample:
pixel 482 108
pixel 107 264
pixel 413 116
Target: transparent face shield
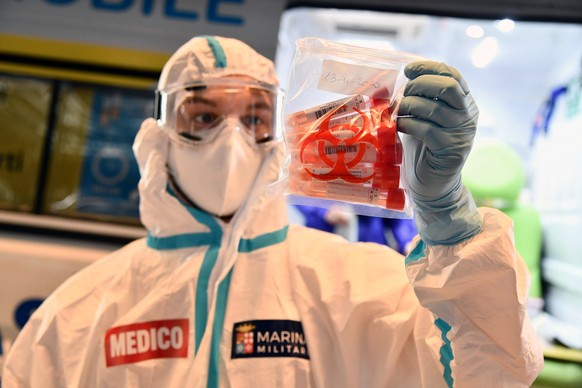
pixel 196 113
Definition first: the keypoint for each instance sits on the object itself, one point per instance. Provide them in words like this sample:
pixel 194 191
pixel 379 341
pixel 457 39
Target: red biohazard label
pixel 326 144
pixel 146 340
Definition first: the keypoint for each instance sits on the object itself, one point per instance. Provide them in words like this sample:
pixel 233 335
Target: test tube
pixel 387 155
pixel 340 110
pixel 394 199
pixel 383 177
pixel 313 170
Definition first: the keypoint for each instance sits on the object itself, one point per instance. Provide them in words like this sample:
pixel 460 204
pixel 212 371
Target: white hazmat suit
pixel 256 302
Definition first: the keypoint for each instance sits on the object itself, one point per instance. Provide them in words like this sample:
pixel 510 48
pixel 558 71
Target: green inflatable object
pixel 557 374
pixel 494 171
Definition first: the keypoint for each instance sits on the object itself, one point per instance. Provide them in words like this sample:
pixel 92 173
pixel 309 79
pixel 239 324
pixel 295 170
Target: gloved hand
pixel 440 115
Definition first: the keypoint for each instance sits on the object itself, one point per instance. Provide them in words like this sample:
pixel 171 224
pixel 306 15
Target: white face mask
pixel 217 177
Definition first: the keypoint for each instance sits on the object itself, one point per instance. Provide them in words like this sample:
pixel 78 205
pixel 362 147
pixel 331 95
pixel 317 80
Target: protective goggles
pixel 196 113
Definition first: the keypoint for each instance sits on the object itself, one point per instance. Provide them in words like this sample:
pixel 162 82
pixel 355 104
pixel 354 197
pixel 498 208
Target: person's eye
pixel 205 118
pixel 253 121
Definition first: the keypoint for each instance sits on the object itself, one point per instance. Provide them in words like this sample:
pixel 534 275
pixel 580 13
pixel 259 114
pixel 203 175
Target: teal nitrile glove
pixel 440 115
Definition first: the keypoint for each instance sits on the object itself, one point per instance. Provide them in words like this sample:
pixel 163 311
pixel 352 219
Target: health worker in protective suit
pixel 223 292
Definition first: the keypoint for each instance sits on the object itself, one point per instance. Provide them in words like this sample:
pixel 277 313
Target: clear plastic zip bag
pixel 340 128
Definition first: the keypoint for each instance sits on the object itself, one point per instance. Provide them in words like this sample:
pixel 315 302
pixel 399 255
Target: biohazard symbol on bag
pixel 324 140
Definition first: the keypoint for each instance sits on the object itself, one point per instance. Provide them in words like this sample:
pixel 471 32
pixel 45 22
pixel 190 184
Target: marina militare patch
pixel 269 338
